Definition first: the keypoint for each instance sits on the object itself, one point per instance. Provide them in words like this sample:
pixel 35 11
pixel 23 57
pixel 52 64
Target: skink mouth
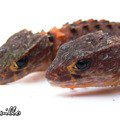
pixel 8 76
pixel 65 84
pixel 63 80
pixel 4 81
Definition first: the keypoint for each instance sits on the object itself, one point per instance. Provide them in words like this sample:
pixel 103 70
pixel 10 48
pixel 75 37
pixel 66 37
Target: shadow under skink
pixel 95 92
pixel 32 78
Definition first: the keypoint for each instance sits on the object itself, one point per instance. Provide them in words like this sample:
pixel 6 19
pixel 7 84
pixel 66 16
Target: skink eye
pixel 19 64
pixel 22 62
pixel 83 64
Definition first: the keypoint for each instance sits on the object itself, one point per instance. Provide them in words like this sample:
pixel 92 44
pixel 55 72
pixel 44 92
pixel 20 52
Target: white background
pixel 35 97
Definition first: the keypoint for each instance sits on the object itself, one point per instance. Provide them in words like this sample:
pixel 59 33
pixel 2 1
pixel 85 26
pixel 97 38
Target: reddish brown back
pixel 76 29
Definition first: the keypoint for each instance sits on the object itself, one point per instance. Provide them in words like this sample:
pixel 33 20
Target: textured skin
pixel 41 49
pixel 23 44
pixel 75 30
pixel 102 49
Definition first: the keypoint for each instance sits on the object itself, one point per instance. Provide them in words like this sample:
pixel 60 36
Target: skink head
pixel 22 54
pixel 92 60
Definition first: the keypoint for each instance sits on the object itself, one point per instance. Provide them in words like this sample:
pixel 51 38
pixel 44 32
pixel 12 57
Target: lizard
pixel 66 53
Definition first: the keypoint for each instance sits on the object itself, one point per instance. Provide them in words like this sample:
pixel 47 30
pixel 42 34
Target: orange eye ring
pixel 14 66
pixel 20 64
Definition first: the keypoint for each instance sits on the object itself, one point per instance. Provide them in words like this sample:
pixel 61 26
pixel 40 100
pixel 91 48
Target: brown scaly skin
pixel 26 52
pixel 75 30
pixel 22 54
pixel 92 60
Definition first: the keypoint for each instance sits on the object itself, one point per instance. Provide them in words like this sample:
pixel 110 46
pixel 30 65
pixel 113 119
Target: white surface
pixel 38 100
